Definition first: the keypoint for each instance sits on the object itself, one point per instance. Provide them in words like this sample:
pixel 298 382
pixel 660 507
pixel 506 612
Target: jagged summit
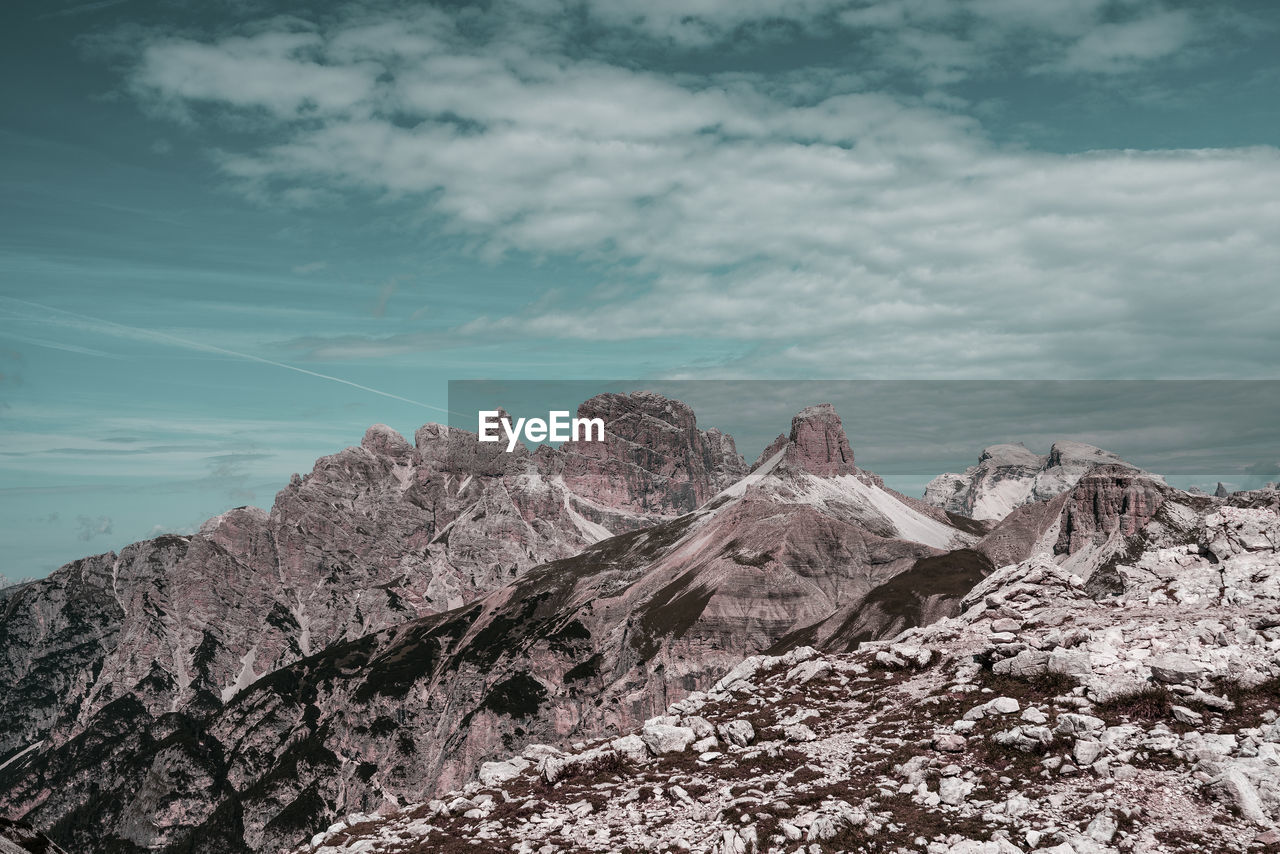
pixel 1010 475
pixel 385 441
pixel 653 457
pixel 817 444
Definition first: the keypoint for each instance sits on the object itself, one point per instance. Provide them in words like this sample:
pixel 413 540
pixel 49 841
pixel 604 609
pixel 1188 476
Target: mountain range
pixel 406 615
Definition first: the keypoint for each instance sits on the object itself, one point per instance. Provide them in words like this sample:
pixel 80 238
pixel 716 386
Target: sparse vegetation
pixel 1250 701
pixel 1038 688
pixel 1152 703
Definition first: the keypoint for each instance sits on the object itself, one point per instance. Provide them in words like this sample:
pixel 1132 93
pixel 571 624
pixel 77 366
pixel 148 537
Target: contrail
pixel 210 348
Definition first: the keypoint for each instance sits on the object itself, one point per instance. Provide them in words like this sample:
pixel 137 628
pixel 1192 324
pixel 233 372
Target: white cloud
pixel 275 71
pixel 1111 48
pixel 888 234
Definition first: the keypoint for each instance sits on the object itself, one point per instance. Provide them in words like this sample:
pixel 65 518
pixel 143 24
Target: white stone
pixel 1086 751
pixel 953 790
pixel 1173 668
pixel 497 773
pixel 663 738
pixel 632 747
pixel 737 732
pixel 1003 706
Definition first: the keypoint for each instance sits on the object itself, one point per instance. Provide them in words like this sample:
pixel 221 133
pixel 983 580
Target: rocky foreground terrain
pixel 1122 696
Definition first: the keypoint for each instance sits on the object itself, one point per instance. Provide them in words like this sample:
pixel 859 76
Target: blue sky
pixel 199 198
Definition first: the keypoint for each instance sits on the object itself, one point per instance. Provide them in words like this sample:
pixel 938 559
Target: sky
pixel 233 234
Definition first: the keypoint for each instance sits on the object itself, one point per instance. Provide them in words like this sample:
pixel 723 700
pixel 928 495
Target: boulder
pixel 739 733
pixel 631 747
pixel 1028 663
pixel 663 738
pixel 1235 789
pixel 1175 669
pixel 1073 724
pixel 497 773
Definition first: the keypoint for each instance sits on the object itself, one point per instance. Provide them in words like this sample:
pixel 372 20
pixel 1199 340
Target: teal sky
pixel 234 234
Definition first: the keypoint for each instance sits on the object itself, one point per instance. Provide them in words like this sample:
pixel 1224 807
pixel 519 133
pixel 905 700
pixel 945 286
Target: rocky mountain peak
pixel 1010 454
pixel 817 444
pixel 1082 455
pixel 653 459
pixel 624 413
pixel 374 535
pixel 1008 476
pixel 386 442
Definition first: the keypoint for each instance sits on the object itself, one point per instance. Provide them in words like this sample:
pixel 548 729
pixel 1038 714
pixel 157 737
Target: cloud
pixel 273 71
pixel 1112 48
pixel 387 290
pixel 823 224
pixel 64 346
pixel 90 528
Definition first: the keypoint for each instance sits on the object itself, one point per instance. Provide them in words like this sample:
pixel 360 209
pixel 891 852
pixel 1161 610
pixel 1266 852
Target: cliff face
pixel 1110 501
pixel 580 646
pixel 654 459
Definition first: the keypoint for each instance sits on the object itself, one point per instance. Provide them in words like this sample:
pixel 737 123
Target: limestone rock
pixel 664 738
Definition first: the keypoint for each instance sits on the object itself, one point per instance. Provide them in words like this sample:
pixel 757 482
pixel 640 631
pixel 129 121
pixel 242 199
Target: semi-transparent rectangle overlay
pixel 1194 432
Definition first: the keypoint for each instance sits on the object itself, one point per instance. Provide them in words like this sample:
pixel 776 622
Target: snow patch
pixel 592 532
pixel 909 523
pixel 115 590
pixel 737 490
pixel 997 500
pixel 299 612
pixel 245 677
